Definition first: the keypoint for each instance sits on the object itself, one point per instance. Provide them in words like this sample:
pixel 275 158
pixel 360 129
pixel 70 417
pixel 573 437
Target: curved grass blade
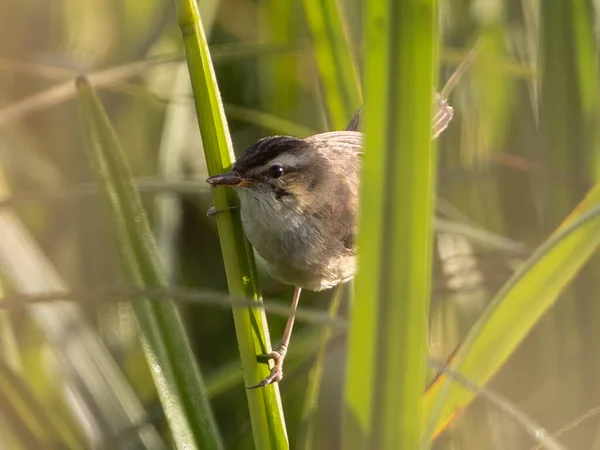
pixel 176 375
pixel 47 428
pixel 15 433
pixel 105 403
pixel 515 310
pixel 266 412
pixel 387 345
pixel 335 61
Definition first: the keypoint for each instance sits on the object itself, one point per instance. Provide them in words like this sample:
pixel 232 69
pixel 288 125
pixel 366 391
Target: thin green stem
pixel 266 413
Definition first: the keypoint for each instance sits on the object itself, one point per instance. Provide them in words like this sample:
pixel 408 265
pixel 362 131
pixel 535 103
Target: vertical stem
pixel 266 413
pixel 338 77
pixel 563 138
pixel 388 330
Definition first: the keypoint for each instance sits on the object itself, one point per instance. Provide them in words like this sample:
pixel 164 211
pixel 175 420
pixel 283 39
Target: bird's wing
pixel 351 141
pixel 442 116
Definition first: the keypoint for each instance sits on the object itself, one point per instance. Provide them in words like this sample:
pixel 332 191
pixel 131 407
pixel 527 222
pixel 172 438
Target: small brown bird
pixel 299 200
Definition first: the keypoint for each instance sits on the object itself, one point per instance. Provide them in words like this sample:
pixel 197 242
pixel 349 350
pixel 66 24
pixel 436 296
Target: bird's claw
pixel 277 355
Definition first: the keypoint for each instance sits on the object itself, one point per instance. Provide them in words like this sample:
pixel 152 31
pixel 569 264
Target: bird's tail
pixel 442 116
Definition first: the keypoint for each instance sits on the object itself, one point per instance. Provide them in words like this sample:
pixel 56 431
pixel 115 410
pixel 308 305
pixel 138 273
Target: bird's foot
pixel 277 355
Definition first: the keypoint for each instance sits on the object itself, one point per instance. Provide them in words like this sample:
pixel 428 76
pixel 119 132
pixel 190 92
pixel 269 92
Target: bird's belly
pixel 313 277
pixel 300 257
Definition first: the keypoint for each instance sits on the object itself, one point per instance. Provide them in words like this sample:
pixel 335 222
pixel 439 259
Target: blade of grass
pixel 9 346
pixel 14 432
pixel 388 330
pixel 515 310
pixel 266 412
pixel 48 428
pixel 278 77
pixel 103 401
pixel 493 90
pixel 170 358
pixel 173 155
pixel 566 145
pixel 335 61
pixel 173 152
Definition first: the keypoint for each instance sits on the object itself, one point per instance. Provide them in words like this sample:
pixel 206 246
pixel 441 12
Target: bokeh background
pixel 521 152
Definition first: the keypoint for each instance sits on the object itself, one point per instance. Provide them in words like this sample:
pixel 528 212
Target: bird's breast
pixel 298 251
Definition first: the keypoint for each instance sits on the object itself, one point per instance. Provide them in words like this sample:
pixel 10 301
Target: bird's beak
pixel 229 179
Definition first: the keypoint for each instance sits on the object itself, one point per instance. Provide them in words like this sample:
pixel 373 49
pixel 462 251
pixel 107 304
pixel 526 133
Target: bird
pixel 298 205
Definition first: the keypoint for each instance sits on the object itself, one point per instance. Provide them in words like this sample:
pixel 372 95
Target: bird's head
pixel 287 172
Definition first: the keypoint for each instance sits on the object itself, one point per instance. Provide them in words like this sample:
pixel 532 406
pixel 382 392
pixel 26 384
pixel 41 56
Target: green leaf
pixel 515 310
pixel 341 88
pixel 97 381
pixel 388 331
pixel 266 413
pixel 171 361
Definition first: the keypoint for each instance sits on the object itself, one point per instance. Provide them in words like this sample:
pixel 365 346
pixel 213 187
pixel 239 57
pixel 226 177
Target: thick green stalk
pixel 388 331
pixel 266 414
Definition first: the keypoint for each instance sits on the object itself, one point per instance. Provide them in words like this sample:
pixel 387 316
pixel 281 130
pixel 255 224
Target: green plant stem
pixel 266 413
pixel 386 367
pixel 338 76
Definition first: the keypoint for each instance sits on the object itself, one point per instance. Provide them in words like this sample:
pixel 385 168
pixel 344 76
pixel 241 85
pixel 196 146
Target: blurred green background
pixel 521 152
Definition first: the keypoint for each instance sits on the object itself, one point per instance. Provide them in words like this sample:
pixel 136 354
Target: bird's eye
pixel 276 171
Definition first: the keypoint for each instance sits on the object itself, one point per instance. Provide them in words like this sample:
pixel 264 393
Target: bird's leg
pixel 278 355
pixel 212 211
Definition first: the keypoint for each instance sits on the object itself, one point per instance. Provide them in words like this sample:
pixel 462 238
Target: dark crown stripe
pixel 265 150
